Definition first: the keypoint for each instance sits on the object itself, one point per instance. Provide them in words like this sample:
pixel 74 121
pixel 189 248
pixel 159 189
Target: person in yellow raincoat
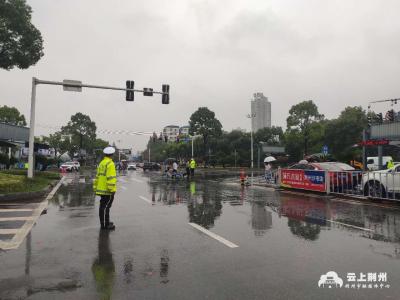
pixel 105 186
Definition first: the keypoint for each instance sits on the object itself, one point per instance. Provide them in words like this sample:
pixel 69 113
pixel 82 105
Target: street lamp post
pixel 251 116
pixel 192 137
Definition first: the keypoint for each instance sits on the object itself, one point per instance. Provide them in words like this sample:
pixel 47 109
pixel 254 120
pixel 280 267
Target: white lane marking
pixel 145 199
pixel 15 209
pixel 8 231
pixel 349 225
pixel 137 180
pixel 82 180
pixel 26 228
pixel 16 219
pixel 123 187
pixel 214 236
pixel 68 181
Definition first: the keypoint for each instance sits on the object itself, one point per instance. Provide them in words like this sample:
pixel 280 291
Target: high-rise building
pixel 261 110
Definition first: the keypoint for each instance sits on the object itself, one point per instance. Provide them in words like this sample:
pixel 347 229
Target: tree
pixel 82 131
pixel 21 43
pixel 11 115
pixel 203 122
pixel 270 135
pixel 346 131
pixel 301 116
pixel 60 143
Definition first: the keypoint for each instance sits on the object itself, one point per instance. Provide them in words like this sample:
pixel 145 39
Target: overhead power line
pixel 104 131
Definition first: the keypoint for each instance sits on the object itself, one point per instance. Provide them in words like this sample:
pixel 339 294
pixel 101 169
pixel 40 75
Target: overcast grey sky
pixel 212 53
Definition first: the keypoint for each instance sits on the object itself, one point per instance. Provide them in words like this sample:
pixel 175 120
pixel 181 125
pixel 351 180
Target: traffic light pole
pixel 69 86
pixel 32 129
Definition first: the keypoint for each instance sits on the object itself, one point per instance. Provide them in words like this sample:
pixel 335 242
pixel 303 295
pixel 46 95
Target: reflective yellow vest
pixel 105 182
pixel 192 164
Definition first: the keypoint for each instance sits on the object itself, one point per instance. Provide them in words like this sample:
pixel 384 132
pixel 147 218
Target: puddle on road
pixel 306 217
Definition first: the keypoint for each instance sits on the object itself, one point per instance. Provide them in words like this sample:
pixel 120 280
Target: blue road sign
pixel 325 149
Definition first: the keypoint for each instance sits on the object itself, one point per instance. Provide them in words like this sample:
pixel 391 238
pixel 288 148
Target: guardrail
pixel 374 184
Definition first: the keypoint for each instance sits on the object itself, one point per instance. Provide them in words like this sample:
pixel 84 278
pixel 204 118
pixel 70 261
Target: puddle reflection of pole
pixel 164 265
pixel 28 253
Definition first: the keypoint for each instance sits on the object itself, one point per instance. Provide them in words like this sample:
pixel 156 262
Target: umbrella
pixel 269 159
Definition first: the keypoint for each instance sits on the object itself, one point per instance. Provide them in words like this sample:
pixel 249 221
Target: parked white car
pixel 131 166
pixel 382 183
pixel 70 166
pixel 373 162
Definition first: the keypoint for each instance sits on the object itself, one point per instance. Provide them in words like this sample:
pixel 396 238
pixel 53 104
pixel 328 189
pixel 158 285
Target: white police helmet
pixel 109 150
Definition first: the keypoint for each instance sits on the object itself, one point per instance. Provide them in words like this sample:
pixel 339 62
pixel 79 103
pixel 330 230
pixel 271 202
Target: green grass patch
pixel 45 174
pixel 17 182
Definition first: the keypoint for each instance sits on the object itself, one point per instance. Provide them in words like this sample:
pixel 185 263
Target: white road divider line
pixel 214 236
pixel 145 199
pixel 349 225
pixel 123 187
pixel 137 180
pixel 16 219
pixel 8 231
pixel 15 209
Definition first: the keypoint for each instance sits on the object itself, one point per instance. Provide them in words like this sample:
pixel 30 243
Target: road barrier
pixel 372 184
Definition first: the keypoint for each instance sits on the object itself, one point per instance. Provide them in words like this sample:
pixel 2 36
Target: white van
pixel 373 162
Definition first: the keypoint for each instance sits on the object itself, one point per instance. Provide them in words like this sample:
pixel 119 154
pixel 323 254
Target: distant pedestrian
pixel 174 168
pixel 188 169
pixel 192 166
pixel 105 185
pixel 389 164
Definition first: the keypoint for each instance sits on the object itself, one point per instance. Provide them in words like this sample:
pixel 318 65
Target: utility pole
pixel 76 86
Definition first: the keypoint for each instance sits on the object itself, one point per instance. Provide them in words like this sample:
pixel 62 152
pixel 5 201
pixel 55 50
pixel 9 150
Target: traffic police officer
pixel 105 185
pixel 192 165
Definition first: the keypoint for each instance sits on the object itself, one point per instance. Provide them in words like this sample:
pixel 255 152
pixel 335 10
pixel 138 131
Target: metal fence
pixel 383 184
pixel 375 184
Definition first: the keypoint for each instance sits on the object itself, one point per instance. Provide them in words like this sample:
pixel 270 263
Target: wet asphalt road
pixel 285 243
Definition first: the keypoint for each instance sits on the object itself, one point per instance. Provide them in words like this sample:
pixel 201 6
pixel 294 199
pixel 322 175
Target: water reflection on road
pixel 307 218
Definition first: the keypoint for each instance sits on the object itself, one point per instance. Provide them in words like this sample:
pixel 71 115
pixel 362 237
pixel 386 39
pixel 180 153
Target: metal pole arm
pixel 92 86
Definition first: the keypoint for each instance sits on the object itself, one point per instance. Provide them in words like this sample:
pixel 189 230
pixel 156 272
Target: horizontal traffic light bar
pixel 78 85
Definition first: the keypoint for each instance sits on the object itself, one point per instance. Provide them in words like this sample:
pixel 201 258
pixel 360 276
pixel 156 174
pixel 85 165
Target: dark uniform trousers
pixel 104 210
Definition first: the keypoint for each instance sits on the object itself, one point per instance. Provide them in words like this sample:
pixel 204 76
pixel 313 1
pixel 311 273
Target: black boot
pixel 110 226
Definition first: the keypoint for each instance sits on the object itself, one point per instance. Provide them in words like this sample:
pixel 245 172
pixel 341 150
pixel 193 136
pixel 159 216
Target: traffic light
pixel 147 92
pixel 165 95
pixel 369 120
pixel 129 94
pixel 391 115
pixel 380 118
